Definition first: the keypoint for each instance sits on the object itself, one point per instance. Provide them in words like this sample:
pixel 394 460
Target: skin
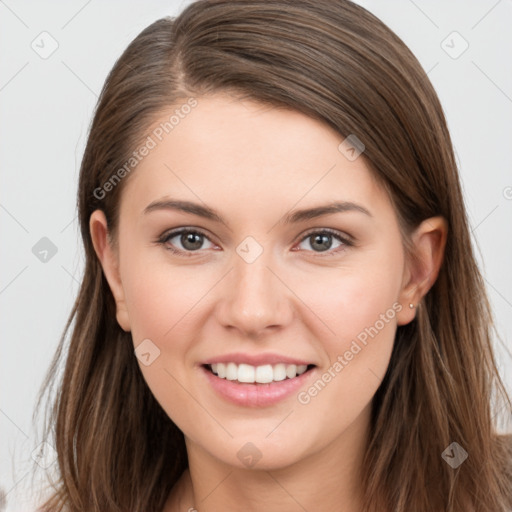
pixel 254 164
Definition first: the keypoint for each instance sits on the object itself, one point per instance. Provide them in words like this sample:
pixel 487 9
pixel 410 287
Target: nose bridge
pixel 255 299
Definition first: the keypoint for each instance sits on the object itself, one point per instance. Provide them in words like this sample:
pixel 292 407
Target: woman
pixel 280 308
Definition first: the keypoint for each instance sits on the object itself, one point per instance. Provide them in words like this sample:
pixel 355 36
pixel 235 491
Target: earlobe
pixel 110 263
pixel 423 265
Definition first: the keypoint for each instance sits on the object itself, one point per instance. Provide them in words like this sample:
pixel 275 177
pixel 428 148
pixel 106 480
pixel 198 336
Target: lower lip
pixel 256 395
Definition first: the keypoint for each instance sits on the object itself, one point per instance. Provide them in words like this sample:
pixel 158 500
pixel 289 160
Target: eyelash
pixel 163 240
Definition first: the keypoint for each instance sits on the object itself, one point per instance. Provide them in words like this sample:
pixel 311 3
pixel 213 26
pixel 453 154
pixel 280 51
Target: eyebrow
pixel 290 218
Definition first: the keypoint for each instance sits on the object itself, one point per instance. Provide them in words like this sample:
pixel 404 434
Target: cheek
pixel 159 297
pixel 357 307
pixel 152 307
pixel 354 297
pixel 361 310
pixel 162 303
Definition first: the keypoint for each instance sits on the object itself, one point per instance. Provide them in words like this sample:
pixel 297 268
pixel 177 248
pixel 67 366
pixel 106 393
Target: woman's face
pixel 266 273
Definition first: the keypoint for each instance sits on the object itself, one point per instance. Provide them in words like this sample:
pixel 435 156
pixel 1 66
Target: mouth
pixel 263 374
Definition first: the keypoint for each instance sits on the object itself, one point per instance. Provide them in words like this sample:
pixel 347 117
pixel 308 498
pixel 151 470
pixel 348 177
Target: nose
pixel 254 298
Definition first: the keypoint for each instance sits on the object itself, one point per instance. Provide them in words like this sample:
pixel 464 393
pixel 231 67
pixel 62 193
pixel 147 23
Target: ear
pixel 423 265
pixel 109 260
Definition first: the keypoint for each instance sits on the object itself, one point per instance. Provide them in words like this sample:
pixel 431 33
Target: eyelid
pixel 344 237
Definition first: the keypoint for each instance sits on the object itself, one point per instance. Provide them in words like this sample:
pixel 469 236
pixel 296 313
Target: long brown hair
pixel 336 62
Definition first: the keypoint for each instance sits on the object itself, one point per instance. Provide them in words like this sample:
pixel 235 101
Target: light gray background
pixel 47 105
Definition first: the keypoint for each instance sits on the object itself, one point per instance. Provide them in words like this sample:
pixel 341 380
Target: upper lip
pixel 256 359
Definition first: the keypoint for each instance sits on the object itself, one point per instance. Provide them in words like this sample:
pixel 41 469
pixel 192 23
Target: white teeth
pixel 246 373
pixel 279 372
pixel 264 374
pixel 260 374
pixel 231 371
pixel 291 371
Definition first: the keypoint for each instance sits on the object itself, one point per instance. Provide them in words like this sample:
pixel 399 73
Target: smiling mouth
pixel 264 374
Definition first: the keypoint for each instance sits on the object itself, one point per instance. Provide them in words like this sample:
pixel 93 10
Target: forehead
pixel 229 152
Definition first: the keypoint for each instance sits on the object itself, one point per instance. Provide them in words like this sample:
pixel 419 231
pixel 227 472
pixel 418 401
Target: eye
pixel 322 241
pixel 190 240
